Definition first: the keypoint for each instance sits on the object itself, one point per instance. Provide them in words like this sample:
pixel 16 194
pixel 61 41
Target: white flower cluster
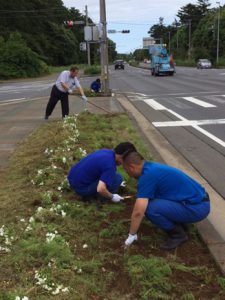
pixel 83 152
pixel 50 236
pixel 30 225
pixel 48 151
pixel 58 210
pixel 23 298
pixel 55 289
pixel 6 239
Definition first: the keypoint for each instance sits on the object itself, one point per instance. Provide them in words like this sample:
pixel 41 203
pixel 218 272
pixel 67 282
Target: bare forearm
pixel 136 219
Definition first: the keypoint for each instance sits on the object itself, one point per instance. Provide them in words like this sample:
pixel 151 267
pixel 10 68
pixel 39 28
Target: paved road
pixel 188 109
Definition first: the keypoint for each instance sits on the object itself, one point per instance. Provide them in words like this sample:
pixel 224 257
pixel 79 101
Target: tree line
pixel 33 36
pixel 194 33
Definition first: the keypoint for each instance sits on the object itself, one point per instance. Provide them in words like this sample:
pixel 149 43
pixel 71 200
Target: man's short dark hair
pixel 74 68
pixel 132 157
pixel 124 147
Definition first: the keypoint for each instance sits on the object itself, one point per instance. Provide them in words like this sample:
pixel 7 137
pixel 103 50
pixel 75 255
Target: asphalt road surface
pixel 187 108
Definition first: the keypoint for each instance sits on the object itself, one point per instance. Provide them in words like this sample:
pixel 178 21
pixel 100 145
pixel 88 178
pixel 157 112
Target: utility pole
pixel 88 44
pixel 218 35
pixel 169 40
pixel 104 50
pixel 189 45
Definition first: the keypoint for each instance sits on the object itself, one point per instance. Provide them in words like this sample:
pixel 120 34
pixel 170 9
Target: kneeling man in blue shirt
pixel 166 196
pixel 95 176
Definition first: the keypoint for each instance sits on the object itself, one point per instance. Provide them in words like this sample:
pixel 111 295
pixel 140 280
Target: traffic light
pixel 125 31
pixel 68 23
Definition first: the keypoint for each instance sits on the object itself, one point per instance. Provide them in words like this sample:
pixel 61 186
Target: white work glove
pixel 84 98
pixel 131 238
pixel 70 91
pixel 116 198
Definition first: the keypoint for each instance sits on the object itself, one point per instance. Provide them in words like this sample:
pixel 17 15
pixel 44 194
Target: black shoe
pixel 177 236
pixel 46 117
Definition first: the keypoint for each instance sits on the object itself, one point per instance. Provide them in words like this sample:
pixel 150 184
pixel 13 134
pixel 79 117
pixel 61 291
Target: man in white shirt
pixel 65 84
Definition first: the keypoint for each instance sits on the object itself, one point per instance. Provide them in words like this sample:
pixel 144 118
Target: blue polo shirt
pixel 99 165
pixel 159 181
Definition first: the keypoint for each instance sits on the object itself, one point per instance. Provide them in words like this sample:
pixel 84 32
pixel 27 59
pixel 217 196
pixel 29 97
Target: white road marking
pixel 154 104
pixel 188 123
pixel 198 102
pixel 19 100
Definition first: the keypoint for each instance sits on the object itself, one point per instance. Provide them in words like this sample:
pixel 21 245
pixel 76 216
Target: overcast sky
pixel 135 15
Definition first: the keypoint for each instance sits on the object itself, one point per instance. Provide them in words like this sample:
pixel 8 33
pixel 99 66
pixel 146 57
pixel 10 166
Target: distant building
pixel 148 41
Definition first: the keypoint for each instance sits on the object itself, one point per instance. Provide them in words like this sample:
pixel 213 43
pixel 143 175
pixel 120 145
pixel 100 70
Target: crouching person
pixel 167 197
pixel 95 176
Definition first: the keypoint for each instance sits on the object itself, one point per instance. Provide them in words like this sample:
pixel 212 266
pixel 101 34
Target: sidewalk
pixel 18 120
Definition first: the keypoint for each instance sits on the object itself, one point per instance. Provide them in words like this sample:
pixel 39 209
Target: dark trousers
pixel 55 96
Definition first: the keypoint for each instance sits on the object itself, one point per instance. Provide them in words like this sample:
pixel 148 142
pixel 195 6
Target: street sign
pixel 111 31
pixel 83 46
pixel 78 22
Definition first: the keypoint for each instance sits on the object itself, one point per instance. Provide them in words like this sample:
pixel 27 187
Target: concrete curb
pixel 209 229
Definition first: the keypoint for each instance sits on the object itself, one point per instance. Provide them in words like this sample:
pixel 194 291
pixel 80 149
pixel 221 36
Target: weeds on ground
pixel 54 246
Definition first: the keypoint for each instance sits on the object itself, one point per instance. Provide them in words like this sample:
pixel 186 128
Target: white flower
pixel 17 298
pixel 54 167
pixel 64 159
pixel 59 188
pixel 39 209
pixel 31 220
pixel 40 172
pixel 22 220
pixel 2 232
pixel 85 246
pixel 63 213
pixel 29 228
pixel 25 298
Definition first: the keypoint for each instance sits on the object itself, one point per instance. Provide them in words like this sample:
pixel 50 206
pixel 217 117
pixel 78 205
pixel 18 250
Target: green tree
pixel 17 60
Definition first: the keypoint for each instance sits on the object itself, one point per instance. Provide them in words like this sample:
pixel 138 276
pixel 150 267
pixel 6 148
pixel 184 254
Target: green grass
pixel 61 248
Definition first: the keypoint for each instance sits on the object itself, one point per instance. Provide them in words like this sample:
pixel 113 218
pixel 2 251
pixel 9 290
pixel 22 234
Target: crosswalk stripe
pixel 188 123
pixel 198 102
pixel 154 104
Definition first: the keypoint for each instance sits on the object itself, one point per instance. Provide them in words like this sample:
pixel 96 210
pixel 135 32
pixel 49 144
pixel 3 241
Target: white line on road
pixel 189 123
pixel 198 102
pixel 20 100
pixel 203 131
pixel 154 104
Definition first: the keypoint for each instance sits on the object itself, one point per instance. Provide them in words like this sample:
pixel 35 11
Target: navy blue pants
pixel 165 214
pixel 91 189
pixel 55 96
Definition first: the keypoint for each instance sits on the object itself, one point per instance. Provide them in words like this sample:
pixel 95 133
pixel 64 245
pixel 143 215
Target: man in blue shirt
pixel 169 198
pixel 96 86
pixel 95 175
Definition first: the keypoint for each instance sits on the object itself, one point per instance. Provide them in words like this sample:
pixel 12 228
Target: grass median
pixel 53 246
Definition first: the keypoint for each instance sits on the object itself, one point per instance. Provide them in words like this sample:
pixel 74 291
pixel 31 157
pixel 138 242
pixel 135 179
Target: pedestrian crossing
pixel 181 121
pixel 205 101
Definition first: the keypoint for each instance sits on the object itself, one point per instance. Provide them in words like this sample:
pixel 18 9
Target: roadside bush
pixel 92 70
pixel 17 60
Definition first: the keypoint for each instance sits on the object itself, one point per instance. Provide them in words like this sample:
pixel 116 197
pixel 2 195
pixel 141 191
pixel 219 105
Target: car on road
pixel 119 64
pixel 204 64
